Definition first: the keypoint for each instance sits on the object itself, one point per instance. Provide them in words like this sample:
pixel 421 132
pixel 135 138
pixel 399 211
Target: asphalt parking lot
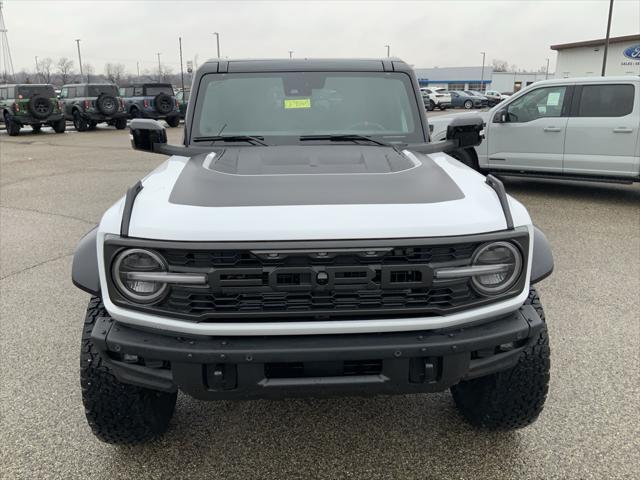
pixel 54 188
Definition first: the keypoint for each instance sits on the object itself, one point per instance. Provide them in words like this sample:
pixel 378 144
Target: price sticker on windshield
pixel 297 103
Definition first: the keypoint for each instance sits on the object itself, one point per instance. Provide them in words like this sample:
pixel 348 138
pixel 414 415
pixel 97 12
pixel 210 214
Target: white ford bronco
pixel 308 239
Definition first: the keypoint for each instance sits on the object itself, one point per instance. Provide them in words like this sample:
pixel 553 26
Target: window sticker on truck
pixel 297 103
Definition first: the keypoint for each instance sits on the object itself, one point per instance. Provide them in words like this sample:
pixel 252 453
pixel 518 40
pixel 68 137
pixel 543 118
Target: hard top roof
pixel 304 64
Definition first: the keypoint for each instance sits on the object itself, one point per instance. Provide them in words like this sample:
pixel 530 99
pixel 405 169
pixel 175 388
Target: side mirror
pixel 147 135
pixel 501 116
pixel 465 131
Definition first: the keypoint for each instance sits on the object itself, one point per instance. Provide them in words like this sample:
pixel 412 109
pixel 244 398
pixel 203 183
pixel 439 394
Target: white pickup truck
pixel 574 128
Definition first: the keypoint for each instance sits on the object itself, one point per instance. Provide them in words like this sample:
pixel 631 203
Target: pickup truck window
pixel 538 103
pixel 288 105
pixel 608 100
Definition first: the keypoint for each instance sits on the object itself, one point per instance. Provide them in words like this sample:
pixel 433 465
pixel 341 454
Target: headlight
pixel 131 266
pixel 504 263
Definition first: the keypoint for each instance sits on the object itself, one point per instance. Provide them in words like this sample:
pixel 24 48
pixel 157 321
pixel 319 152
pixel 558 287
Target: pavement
pixel 54 188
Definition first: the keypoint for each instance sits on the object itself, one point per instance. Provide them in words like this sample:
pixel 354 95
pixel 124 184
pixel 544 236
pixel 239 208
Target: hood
pixel 311 193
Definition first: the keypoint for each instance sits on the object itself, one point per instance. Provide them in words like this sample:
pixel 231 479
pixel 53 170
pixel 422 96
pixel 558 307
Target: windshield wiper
pixel 347 137
pixel 232 138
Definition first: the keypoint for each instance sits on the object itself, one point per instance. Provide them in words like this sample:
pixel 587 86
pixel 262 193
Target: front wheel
pixel 468 104
pixel 121 123
pixel 173 121
pixel 118 413
pixel 512 398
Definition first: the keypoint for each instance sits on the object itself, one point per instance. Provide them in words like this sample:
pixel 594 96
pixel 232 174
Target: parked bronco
pixel 308 239
pixel 30 104
pixel 90 104
pixel 152 100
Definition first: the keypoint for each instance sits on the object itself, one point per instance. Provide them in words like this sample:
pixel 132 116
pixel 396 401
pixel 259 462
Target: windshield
pixel 31 90
pixel 152 90
pixel 95 90
pixel 284 106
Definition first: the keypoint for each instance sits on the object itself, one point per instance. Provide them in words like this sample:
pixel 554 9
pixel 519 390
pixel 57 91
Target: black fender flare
pixel 84 270
pixel 542 261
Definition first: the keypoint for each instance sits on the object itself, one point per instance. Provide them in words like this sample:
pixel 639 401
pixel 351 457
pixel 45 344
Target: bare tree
pixel 45 66
pixel 114 72
pixel 166 73
pixel 499 65
pixel 65 69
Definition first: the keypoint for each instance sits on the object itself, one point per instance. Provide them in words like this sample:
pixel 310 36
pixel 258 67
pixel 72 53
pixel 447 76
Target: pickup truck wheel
pixel 120 123
pixel 13 128
pixel 118 413
pixel 468 104
pixel 36 127
pixel 59 126
pixel 173 121
pixel 80 123
pixel 512 398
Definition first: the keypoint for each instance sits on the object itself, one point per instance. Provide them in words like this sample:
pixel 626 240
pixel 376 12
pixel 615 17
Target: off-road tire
pixel 40 107
pixel 135 113
pixel 173 121
pixel 107 104
pixel 36 127
pixel 120 123
pixel 59 126
pixel 13 128
pixel 512 398
pixel 468 104
pixel 80 123
pixel 93 125
pixel 118 413
pixel 163 103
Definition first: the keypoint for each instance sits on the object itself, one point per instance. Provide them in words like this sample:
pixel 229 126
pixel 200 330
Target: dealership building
pixel 578 59
pixel 584 59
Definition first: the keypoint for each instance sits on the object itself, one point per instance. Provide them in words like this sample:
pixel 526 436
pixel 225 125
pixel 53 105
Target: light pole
pixel 79 58
pixel 606 41
pixel 290 53
pixel 181 69
pixel 138 69
pixel 546 75
pixel 482 74
pixel 217 42
pixel 159 67
pixel 37 70
pixel 388 50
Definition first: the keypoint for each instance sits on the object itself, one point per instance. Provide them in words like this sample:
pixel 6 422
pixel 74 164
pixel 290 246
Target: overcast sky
pixel 423 33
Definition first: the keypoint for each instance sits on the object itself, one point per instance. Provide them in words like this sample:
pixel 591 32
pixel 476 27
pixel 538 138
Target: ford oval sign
pixel 633 52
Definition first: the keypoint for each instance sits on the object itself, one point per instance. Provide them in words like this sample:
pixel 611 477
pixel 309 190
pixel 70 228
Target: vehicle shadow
pixel 412 436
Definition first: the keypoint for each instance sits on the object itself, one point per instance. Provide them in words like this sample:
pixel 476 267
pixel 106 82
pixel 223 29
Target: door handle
pixel 552 129
pixel 623 130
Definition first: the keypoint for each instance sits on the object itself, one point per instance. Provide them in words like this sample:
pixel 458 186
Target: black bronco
pixel 152 100
pixel 308 239
pixel 91 103
pixel 30 104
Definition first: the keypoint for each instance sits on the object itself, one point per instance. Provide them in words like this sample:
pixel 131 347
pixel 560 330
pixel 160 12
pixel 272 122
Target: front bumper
pixel 211 368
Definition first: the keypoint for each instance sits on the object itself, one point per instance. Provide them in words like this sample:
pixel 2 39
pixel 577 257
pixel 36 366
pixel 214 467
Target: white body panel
pixel 154 217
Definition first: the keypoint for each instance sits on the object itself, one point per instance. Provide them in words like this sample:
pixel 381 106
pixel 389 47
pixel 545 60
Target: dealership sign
pixel 633 52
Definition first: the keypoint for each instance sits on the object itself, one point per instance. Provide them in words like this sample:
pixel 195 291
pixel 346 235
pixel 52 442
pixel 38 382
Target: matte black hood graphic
pixel 311 175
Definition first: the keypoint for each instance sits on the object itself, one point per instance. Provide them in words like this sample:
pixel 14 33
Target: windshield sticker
pixel 553 99
pixel 297 103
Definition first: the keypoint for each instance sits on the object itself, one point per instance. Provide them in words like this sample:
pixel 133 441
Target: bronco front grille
pixel 316 280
